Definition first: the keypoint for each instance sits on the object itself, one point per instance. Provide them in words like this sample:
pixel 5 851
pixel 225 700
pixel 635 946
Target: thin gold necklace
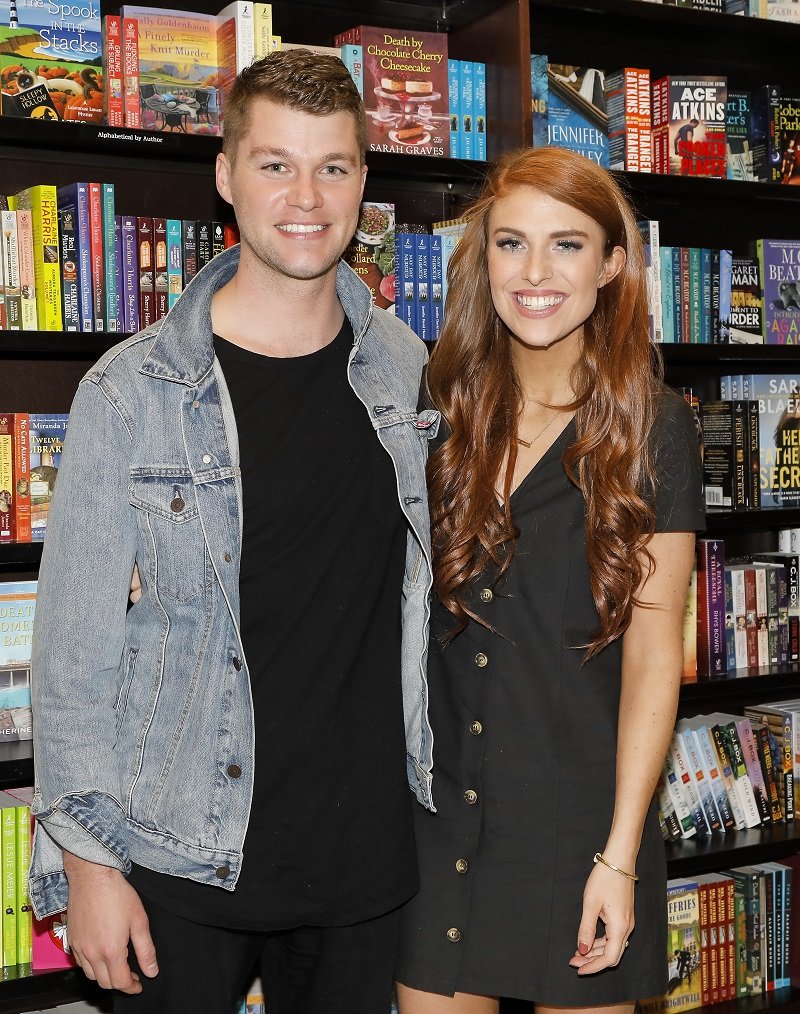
pixel 547 425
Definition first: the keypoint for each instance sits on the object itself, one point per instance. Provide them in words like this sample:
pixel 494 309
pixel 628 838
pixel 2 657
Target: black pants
pixel 308 970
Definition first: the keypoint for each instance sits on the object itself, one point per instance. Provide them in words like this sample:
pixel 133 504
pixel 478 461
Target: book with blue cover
pixel 576 111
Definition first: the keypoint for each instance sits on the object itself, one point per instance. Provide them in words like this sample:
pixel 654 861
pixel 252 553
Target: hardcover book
pixel 371 252
pixel 629 120
pixel 745 324
pixel 46 443
pixel 779 263
pixel 17 611
pixel 406 89
pixel 784 134
pixel 683 950
pixel 689 126
pixel 178 75
pixel 576 111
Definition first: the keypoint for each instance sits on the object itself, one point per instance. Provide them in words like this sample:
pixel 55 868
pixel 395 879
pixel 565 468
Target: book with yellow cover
pixel 40 200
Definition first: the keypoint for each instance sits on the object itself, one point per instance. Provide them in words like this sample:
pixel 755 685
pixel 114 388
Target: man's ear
pixel 612 266
pixel 222 172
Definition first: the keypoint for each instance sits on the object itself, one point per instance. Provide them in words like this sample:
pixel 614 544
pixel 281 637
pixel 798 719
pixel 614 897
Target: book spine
pixel 680 761
pixel 24 907
pixel 8 863
pixel 437 286
pixel 404 280
pixel 788 904
pixel 70 288
pixel 8 522
pixel 667 304
pixel 132 109
pixel 353 59
pixel 667 808
pixel 711 637
pixel 41 201
pixel 702 783
pixel 174 261
pixel 119 281
pixel 466 88
pixel 160 279
pixel 423 287
pixel 97 256
pixel 762 617
pixel 113 91
pixel 705 944
pixel 753 767
pixel 454 103
pixel 130 275
pixel 189 258
pixel 27 277
pixel 22 498
pixel 742 779
pixel 109 256
pixel 705 295
pixel 480 125
pixel 147 297
pixel 751 628
pixel 203 244
pixel 741 466
pixel 767 762
pixel 713 322
pixel 13 297
pixel 734 797
pixel 682 811
pixel 725 275
pixel 217 238
pixel 262 27
pixel 711 766
pixel 730 624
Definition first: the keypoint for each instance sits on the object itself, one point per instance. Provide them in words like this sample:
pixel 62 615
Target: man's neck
pixel 277 316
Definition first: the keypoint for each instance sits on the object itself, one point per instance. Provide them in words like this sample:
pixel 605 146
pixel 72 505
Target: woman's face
pixel 546 263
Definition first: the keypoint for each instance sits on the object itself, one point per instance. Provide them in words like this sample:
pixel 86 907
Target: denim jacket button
pixel 223 872
pixel 195 404
pixel 177 505
pixel 237 663
pixel 227 557
pixel 234 771
pixel 206 459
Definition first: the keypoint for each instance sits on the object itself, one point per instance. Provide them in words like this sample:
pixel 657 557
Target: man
pixel 220 783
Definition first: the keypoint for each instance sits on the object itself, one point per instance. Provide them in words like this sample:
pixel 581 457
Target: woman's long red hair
pixel 471 378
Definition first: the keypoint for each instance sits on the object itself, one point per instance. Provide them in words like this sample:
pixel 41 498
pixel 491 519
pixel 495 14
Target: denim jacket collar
pixel 183 351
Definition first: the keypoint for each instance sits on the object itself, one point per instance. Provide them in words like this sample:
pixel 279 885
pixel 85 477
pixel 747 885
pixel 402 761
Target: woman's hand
pixel 608 896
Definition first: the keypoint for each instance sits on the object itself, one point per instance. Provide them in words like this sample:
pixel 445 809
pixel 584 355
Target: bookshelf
pixel 41 370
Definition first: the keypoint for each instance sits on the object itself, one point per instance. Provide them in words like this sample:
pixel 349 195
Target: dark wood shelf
pixel 722 520
pixel 732 691
pixel 55 344
pixel 737 358
pixel 20 556
pixel 16 764
pixel 43 989
pixel 716 852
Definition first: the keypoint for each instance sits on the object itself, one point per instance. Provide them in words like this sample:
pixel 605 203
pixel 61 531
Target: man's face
pixel 296 186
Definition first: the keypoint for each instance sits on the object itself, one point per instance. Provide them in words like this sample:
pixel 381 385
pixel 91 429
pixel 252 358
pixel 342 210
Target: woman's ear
pixel 612 266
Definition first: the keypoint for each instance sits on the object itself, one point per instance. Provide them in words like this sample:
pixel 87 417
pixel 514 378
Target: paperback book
pixel 689 126
pixel 779 262
pixel 17 611
pixel 576 111
pixel 371 252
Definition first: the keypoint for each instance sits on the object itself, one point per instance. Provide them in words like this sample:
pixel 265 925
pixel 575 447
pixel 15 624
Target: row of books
pixel 729 935
pixel 708 296
pixel 774 10
pixel 726 773
pixel 675 125
pixel 170 70
pixel 747 612
pixel 70 263
pixel 31 445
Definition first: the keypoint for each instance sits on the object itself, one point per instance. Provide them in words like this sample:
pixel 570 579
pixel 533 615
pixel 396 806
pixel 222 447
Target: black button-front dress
pixel 524 761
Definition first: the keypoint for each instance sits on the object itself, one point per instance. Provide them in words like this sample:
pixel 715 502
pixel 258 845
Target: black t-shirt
pixel 330 840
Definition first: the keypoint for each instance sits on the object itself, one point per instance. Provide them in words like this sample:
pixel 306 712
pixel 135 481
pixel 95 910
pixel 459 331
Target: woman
pixel 564 498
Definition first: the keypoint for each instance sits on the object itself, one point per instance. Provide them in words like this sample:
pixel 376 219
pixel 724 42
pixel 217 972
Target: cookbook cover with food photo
pixel 371 252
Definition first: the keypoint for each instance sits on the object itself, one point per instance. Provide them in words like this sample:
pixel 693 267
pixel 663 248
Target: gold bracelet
pixel 598 858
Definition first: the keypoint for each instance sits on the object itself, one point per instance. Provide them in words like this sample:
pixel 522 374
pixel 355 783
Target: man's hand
pixel 104 913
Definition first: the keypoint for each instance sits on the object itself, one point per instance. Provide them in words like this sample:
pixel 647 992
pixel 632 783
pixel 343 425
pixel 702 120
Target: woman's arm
pixel 652 659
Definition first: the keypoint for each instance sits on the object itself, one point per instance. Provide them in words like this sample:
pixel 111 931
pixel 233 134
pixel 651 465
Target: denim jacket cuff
pixel 91 826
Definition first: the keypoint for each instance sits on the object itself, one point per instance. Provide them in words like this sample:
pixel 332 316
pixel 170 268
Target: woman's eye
pixel 570 244
pixel 509 244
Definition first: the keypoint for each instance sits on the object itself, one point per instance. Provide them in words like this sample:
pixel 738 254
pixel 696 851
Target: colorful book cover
pixel 41 201
pixel 49 943
pixel 17 612
pixel 73 201
pixel 371 252
pixel 97 255
pixel 21 798
pixel 576 111
pixel 51 60
pixel 784 132
pixel 683 950
pixel 406 89
pixel 120 318
pixel 46 443
pixel 422 246
pixel 454 106
pixel 745 324
pixel 189 257
pixel 689 126
pixel 738 135
pixel 174 261
pixel 437 287
pixel 649 231
pixel 480 123
pixel 404 285
pixel 178 76
pixel 353 58
pixel 262 18
pixel 539 96
pixel 779 264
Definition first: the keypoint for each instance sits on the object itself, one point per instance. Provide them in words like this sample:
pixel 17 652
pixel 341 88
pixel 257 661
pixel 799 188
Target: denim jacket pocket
pixel 170 528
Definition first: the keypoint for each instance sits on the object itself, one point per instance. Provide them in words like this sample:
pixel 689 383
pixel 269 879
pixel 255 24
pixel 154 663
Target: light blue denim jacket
pixel 143 720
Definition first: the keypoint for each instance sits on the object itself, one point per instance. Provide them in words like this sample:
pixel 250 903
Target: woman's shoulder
pixel 674 419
